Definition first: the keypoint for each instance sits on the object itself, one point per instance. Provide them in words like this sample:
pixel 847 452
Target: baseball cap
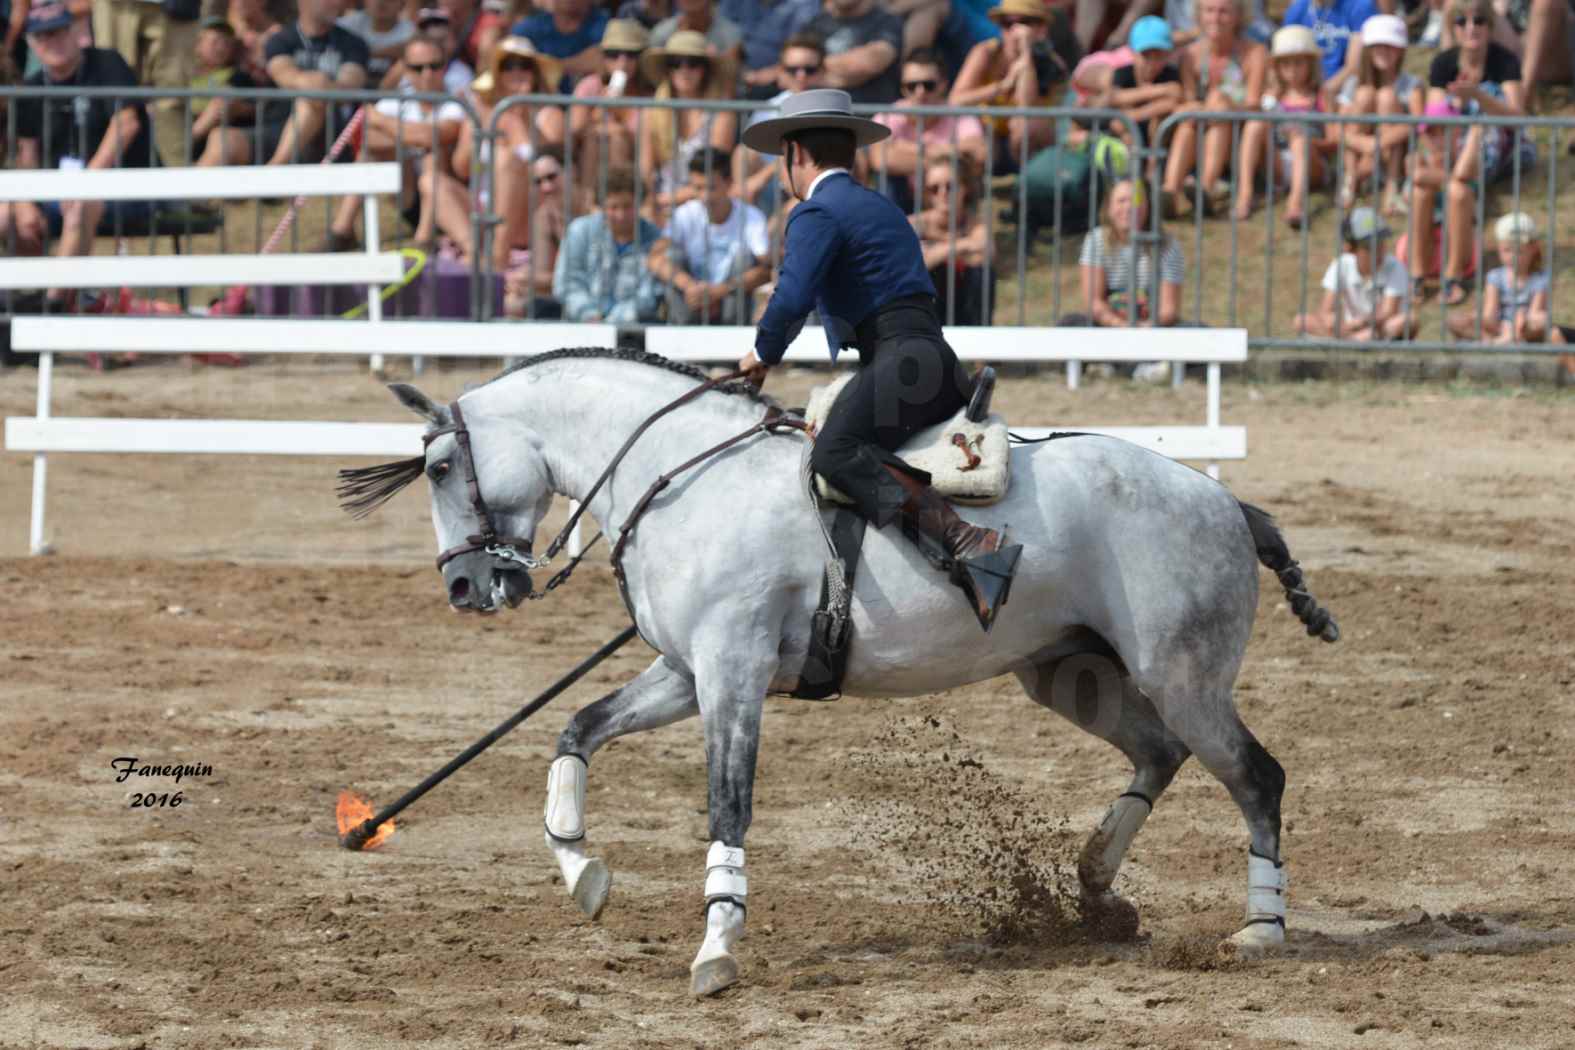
pixel 47 16
pixel 1385 29
pixel 1363 224
pixel 218 22
pixel 1516 228
pixel 1150 33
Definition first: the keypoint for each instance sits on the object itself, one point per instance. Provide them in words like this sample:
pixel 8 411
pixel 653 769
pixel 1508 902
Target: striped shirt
pixel 1118 264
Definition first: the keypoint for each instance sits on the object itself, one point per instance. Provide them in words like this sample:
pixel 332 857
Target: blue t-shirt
pixel 1515 296
pixel 540 30
pixel 1332 26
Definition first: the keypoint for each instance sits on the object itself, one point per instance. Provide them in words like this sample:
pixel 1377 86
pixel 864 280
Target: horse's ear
pixel 419 403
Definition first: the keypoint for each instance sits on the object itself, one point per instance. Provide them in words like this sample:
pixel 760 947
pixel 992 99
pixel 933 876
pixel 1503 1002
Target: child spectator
pixel 601 273
pixel 1151 88
pixel 1116 276
pixel 1364 289
pixel 217 58
pixel 1515 294
pixel 1382 86
pixel 716 250
pixel 1334 28
pixel 956 241
pixel 1299 149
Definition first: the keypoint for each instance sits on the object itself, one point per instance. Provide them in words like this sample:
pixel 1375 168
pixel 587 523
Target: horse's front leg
pixel 732 691
pixel 661 695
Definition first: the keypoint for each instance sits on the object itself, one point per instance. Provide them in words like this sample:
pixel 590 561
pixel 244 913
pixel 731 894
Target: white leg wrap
pixel 1102 856
pixel 724 873
pixel 565 811
pixel 1265 890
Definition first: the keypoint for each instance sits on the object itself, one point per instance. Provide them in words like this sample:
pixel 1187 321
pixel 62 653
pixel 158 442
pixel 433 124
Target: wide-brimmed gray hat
pixel 817 108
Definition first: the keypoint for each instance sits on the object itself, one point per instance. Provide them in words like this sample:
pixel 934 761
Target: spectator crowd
pixel 633 213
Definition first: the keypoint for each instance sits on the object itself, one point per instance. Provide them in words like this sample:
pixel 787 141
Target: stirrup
pixel 987 581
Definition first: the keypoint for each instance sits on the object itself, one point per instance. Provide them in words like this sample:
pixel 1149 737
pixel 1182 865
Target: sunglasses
pixel 424 67
pixel 687 62
pixel 1474 20
pixel 551 176
pixel 937 187
pixel 616 56
pixel 1013 21
pixel 801 71
pixel 910 86
pixel 517 65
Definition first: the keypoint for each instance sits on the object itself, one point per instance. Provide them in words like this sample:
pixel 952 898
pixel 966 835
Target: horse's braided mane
pixel 639 357
pixel 364 489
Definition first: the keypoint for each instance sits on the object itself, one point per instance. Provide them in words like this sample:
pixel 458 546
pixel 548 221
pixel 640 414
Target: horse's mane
pixel 364 489
pixel 738 387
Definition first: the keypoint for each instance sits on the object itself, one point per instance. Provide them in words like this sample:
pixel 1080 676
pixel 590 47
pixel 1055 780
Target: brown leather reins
pixel 513 553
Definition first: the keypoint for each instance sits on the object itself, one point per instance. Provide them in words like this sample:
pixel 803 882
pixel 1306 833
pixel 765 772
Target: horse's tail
pixel 1274 554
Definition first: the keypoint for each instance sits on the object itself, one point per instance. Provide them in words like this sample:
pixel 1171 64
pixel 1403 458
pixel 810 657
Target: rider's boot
pixel 979 561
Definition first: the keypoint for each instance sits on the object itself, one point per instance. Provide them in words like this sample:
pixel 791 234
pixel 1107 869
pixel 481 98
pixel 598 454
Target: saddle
pixel 967 457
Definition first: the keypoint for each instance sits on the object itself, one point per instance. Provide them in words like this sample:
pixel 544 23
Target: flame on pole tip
pixel 352 811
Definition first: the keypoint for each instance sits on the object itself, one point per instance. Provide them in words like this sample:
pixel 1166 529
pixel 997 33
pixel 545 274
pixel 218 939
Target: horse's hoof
pixel 713 975
pixel 1110 917
pixel 1258 938
pixel 590 889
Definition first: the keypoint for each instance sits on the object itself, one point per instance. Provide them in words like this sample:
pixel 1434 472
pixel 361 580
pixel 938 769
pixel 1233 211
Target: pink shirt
pixel 591 86
pixel 937 130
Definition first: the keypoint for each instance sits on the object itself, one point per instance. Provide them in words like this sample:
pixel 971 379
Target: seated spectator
pixel 434 24
pixel 218 66
pixel 312 54
pixel 645 12
pixel 67 133
pixel 1151 88
pixel 1117 278
pixel 1299 150
pixel 1034 52
pixel 898 157
pixel 863 42
pixel 601 273
pixel 531 277
pixel 386 32
pixel 419 134
pixel 1382 86
pixel 801 66
pixel 524 133
pixel 571 33
pixel 723 37
pixel 1364 290
pixel 477 30
pixel 715 251
pixel 956 241
pixel 1228 70
pixel 1477 77
pixel 1186 20
pixel 684 69
pixel 1515 294
pixel 1337 30
pixel 767 25
pixel 603 137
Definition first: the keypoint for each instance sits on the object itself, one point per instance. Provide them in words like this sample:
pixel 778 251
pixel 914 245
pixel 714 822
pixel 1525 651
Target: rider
pixel 851 255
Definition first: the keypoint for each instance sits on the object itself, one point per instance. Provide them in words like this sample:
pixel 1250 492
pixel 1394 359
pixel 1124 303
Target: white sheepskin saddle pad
pixel 967 461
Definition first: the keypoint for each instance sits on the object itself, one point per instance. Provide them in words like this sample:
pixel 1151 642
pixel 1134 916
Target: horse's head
pixel 490 490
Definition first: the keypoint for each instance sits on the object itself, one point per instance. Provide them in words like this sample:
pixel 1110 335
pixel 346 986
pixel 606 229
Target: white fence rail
pixel 44 433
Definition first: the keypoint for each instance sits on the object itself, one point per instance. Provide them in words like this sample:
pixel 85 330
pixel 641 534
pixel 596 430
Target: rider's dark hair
pixel 827 147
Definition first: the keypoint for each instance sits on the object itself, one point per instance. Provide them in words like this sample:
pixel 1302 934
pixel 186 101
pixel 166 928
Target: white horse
pixel 1136 571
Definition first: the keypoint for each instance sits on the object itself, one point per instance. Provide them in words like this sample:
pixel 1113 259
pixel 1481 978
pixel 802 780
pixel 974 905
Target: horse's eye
pixel 439 470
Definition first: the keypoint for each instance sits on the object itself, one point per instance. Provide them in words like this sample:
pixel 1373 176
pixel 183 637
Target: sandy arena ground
pixel 223 611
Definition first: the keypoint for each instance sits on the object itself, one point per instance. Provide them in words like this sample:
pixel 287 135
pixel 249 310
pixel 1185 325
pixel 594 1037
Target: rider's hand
pixel 753 369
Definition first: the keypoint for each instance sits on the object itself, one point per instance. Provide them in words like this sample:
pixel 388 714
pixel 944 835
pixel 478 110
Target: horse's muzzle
pixel 480 583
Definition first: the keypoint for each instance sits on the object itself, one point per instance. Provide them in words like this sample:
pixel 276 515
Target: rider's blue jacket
pixel 848 252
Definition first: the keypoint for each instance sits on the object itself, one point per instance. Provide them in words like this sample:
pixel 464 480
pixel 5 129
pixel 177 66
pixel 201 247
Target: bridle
pixel 513 553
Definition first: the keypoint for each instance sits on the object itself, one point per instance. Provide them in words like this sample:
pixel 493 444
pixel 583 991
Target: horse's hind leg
pixel 1093 692
pixel 661 695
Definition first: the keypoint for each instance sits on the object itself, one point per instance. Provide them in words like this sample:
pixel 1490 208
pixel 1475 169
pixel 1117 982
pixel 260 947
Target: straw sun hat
pixel 1020 9
pixel 686 43
pixel 549 71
